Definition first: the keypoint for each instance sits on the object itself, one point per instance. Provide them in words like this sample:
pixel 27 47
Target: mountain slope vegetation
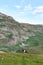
pixel 15 35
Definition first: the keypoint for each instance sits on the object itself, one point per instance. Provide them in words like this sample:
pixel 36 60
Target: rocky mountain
pixel 15 35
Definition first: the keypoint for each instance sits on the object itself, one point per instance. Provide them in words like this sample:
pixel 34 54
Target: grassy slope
pixel 20 59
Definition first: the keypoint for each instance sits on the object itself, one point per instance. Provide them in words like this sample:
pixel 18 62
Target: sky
pixel 23 11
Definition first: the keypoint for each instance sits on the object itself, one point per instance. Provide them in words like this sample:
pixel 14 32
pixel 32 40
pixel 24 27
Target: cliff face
pixel 19 35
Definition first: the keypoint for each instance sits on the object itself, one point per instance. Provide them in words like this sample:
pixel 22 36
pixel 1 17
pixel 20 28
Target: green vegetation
pixel 33 44
pixel 2 25
pixel 20 59
pixel 5 48
pixel 9 35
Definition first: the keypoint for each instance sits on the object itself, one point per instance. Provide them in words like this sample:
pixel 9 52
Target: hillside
pixel 20 59
pixel 15 35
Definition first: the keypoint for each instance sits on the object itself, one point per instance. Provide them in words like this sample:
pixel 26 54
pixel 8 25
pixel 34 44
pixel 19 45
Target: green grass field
pixel 20 59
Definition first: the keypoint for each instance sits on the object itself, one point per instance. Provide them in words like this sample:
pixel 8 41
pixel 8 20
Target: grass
pixel 20 59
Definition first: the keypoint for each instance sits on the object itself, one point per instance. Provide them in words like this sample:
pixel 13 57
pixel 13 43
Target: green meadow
pixel 20 59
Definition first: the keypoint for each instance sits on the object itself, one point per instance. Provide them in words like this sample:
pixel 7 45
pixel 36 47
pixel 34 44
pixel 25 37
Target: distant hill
pixel 15 35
